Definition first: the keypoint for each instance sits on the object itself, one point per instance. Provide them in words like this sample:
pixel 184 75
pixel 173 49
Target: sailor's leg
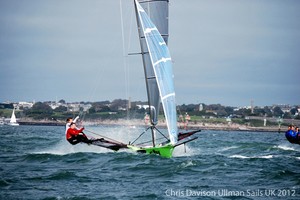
pixel 73 140
pixel 84 139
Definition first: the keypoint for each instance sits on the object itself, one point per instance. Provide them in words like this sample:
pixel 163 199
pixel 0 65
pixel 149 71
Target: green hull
pixel 165 151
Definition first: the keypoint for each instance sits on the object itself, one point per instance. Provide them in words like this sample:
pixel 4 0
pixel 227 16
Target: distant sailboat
pixel 13 119
pixel 1 121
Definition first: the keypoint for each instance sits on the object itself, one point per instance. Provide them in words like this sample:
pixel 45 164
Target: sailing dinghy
pixel 153 35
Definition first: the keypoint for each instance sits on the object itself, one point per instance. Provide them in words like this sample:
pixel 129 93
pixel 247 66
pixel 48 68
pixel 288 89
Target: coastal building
pixel 73 107
pixel 284 107
pixel 86 107
pixel 76 107
pixel 54 104
pixel 143 106
pixel 24 105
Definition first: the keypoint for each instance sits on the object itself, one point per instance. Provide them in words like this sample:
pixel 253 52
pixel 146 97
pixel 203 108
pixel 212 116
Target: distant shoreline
pixel 140 123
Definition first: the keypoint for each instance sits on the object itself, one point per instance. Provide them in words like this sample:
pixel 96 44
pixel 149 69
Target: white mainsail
pixel 160 70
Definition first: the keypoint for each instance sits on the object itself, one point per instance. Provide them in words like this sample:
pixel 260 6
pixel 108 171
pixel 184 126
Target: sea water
pixel 37 163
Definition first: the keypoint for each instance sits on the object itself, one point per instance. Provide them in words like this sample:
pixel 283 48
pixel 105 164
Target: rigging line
pixel 99 73
pixel 130 29
pixel 82 113
pixel 180 114
pixel 104 137
pixel 160 133
pixel 126 43
pixel 141 135
pixel 150 141
pixel 124 57
pixel 164 137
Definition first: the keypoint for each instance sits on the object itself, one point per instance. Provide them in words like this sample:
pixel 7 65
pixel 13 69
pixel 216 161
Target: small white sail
pixel 13 119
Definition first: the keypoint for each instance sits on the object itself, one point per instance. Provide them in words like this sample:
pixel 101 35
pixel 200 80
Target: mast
pixel 158 11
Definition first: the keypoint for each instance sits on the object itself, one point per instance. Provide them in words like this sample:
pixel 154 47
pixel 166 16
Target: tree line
pixel 120 108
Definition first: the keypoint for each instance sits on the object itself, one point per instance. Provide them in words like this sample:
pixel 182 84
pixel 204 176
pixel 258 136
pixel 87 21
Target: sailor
pixel 297 134
pixel 75 136
pixel 291 134
pixel 69 121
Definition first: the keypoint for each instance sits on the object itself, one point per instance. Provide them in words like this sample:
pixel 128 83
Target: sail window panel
pixel 164 75
pixel 171 118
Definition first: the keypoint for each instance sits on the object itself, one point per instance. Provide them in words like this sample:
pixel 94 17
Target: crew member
pixel 69 121
pixel 75 136
pixel 297 132
pixel 291 135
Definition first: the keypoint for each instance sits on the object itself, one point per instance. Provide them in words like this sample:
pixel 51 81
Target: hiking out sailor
pixel 75 136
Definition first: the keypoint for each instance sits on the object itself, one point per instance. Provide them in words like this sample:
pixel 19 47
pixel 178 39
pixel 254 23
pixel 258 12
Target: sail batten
pixel 167 96
pixel 162 60
pixel 158 64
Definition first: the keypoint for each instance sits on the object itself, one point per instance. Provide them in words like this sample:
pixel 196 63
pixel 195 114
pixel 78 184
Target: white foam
pixel 187 164
pixel 247 157
pixel 266 157
pixel 286 148
pixel 228 148
pixel 182 151
pixel 238 156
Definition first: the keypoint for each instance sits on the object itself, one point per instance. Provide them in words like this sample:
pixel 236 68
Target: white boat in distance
pixel 13 119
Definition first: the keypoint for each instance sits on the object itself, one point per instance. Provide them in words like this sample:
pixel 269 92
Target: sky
pixel 228 52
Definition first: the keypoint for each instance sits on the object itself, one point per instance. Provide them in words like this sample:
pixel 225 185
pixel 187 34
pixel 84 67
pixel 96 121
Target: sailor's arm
pixel 76 118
